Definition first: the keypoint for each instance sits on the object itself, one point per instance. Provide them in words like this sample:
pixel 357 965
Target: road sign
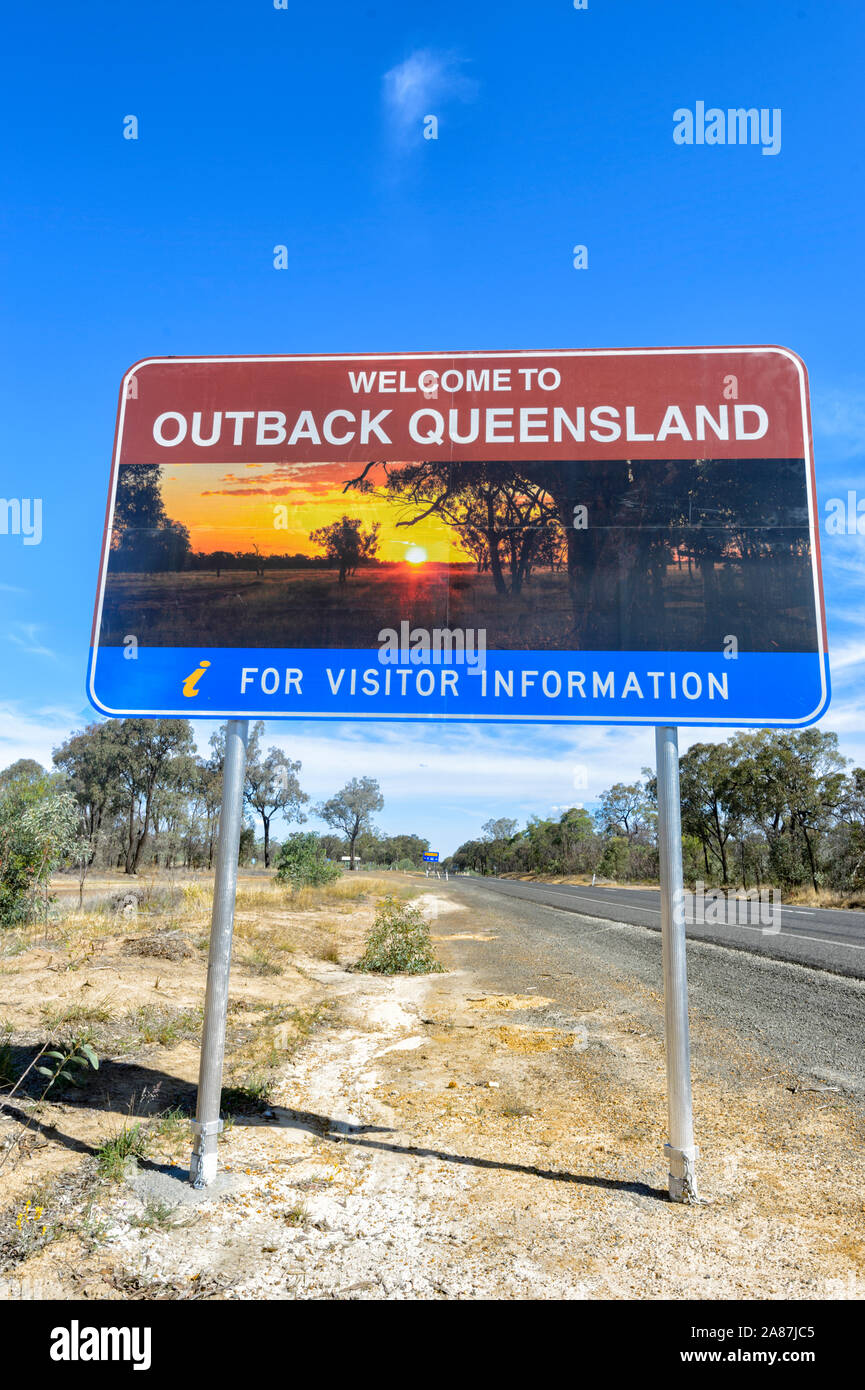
pixel 622 536
pixel 431 858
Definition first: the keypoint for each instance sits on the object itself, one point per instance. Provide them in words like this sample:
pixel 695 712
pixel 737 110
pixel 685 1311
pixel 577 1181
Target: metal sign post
pixel 679 1149
pixel 207 1124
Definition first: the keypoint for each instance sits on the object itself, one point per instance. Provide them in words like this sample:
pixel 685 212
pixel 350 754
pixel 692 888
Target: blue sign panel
pixel 548 687
pixel 605 537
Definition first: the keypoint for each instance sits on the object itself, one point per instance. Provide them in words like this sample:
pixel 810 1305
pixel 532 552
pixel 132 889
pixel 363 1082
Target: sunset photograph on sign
pixel 582 555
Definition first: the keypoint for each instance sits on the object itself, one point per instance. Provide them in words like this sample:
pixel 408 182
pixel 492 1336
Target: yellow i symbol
pixel 191 682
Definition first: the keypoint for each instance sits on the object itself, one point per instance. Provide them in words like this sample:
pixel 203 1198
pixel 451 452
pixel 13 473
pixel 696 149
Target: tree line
pixel 128 794
pixel 760 809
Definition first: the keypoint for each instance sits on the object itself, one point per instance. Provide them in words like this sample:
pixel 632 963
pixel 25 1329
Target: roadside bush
pixel 17 868
pixel 615 859
pixel 34 837
pixel 302 862
pixel 399 942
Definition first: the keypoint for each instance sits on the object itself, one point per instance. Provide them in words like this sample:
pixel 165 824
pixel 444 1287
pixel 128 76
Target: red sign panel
pixel 664 403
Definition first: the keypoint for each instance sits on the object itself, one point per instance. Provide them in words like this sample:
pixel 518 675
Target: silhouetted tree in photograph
pixel 347 544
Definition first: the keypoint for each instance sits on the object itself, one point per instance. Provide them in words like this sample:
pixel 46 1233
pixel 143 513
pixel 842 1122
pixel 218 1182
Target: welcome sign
pixel 622 536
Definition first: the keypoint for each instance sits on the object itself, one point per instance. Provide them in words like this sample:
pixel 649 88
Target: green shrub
pixel 130 1142
pixel 615 860
pixel 19 860
pixel 36 830
pixel 302 862
pixel 399 942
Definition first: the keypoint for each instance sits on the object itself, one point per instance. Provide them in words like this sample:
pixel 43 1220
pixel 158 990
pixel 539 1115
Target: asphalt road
pixel 807 1020
pixel 824 938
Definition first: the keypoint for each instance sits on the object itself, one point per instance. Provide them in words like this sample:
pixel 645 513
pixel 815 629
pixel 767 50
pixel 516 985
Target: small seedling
pixel 73 1066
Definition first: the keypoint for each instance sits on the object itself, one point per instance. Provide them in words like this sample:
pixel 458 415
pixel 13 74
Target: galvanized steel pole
pixel 207 1124
pixel 679 1149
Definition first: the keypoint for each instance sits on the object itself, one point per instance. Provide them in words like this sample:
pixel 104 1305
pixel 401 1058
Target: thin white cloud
pixel 844 718
pixel 27 639
pixel 422 84
pixel 474 768
pixel 843 657
pixel 846 557
pixel 36 733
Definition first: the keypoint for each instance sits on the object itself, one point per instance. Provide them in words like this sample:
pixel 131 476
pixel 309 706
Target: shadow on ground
pixel 341 1132
pixel 142 1093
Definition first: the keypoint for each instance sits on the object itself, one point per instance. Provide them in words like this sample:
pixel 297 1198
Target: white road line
pixel 801 911
pixel 793 935
pixel 638 907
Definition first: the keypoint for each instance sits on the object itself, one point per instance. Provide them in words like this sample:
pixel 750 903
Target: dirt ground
pixel 399 1137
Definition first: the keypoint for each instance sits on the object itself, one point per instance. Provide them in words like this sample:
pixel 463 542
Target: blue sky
pixel 304 127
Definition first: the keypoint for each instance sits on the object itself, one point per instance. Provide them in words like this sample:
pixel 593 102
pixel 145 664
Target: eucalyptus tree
pixel 352 809
pixel 271 786
pixel 143 754
pixel 88 762
pixel 713 800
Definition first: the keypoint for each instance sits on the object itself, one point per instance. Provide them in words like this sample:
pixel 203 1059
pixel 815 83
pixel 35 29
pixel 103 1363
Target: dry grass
pixel 57 1017
pixel 274 923
pixel 343 892
pixel 80 934
pixel 89 976
pixel 260 1045
pixel 582 880
pixel 261 961
pixel 823 897
pixel 163 1025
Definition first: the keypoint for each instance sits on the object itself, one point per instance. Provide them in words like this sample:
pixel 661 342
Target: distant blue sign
pixel 604 537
